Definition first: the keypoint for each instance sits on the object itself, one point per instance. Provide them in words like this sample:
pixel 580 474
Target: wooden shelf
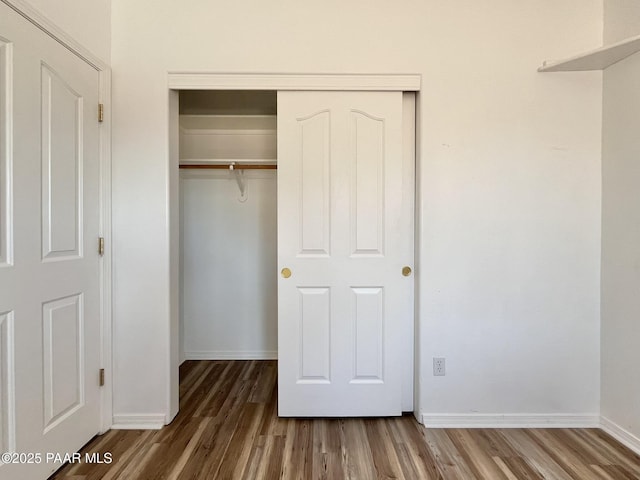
pixel 228 136
pixel 598 59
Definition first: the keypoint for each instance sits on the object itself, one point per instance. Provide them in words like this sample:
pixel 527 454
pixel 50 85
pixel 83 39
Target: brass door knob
pixel 285 272
pixel 406 271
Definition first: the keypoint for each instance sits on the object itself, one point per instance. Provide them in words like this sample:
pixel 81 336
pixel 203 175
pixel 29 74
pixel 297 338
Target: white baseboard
pixel 150 421
pixel 509 420
pixel 232 355
pixel 623 436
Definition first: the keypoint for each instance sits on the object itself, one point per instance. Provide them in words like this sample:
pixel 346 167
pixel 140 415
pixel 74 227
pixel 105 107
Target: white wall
pixel 509 180
pixel 87 21
pixel 228 262
pixel 621 229
pixel 621 20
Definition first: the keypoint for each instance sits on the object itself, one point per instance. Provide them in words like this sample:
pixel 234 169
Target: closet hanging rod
pixel 236 166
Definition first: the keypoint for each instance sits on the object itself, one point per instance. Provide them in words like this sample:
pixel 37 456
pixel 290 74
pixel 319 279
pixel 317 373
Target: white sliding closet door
pixel 49 262
pixel 345 234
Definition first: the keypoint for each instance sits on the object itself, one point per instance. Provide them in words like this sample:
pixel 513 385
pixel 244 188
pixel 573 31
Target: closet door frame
pixel 176 81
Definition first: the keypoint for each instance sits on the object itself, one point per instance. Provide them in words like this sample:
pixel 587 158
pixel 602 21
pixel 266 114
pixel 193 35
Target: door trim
pixel 268 81
pixel 104 94
pixel 47 26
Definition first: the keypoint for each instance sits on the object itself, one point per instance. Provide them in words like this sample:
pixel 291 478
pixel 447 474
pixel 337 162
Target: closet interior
pixel 228 286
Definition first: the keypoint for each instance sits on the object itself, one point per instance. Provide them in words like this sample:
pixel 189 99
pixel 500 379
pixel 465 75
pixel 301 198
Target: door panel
pixel 366 158
pixel 7 407
pixel 61 166
pixel 315 339
pixel 63 359
pixel 342 229
pixel 313 176
pixel 50 288
pixel 368 335
pixel 5 186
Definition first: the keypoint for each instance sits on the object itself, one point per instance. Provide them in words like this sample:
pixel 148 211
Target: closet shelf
pixel 597 59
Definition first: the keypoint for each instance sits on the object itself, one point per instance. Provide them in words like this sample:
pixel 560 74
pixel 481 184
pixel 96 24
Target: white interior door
pixel 49 264
pixel 345 233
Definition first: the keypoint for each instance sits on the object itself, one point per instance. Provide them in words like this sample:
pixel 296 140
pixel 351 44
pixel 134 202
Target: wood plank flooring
pixel 228 428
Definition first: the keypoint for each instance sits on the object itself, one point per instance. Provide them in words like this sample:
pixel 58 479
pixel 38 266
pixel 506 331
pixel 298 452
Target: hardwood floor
pixel 228 429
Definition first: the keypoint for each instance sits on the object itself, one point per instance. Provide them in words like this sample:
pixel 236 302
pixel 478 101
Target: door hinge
pixel 101 246
pixel 100 112
pixel 102 377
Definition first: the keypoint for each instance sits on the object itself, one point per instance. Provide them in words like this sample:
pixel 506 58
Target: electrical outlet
pixel 438 367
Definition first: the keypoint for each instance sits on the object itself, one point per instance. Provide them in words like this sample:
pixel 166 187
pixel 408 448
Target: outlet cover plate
pixel 438 367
